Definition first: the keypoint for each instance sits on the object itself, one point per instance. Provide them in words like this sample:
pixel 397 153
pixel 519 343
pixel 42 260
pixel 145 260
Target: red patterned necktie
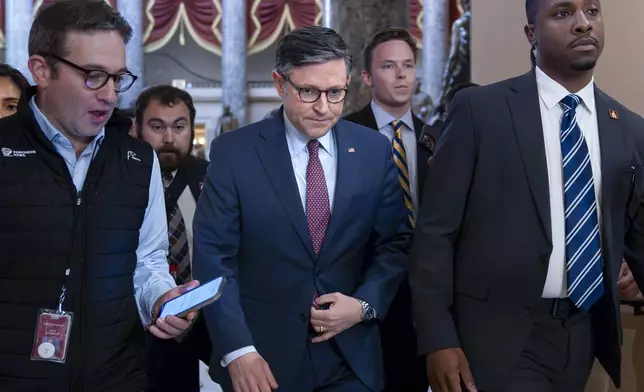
pixel 178 255
pixel 318 210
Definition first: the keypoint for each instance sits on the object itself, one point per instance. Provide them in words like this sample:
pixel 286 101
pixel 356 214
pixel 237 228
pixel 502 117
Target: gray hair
pixel 310 45
pixel 49 30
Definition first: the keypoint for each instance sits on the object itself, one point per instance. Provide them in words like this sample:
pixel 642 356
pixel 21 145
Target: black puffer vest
pixel 47 226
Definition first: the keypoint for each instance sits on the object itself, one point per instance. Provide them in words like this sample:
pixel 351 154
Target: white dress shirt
pixel 152 277
pixel 297 142
pixel 550 94
pixel 383 121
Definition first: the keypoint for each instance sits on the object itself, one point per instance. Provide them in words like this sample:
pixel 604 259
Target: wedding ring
pixel 321 329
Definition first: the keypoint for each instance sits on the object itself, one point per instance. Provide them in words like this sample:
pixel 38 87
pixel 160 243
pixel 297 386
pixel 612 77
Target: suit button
pixel 529 312
pixel 542 260
pixel 317 271
pixel 303 317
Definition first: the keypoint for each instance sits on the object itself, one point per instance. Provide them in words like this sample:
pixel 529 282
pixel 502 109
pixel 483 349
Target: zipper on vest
pixel 81 206
pixel 81 251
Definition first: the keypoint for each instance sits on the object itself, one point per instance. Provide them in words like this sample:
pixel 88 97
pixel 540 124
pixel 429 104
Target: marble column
pixel 357 21
pixel 18 18
pixel 435 46
pixel 233 58
pixel 326 13
pixel 132 11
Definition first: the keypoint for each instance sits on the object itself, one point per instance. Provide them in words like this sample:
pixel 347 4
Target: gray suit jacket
pixel 483 238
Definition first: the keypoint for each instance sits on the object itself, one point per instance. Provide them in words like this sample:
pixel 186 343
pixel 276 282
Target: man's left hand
pixel 172 326
pixel 626 283
pixel 343 313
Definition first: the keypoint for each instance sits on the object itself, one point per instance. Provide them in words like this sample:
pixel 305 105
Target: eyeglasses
pixel 95 79
pixel 312 94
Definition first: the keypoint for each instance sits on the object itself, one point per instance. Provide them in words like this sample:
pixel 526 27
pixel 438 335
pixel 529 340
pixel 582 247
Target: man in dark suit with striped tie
pixel 390 59
pixel 533 198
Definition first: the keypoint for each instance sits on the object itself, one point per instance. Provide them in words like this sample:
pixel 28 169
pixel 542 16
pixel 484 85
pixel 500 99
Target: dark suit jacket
pixel 191 174
pixel 250 226
pixel 483 238
pixel 366 117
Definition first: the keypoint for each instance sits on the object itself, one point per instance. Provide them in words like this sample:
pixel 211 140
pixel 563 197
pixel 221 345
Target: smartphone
pixel 194 300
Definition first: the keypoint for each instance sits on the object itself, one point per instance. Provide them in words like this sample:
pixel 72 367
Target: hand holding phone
pixel 193 300
pixel 171 327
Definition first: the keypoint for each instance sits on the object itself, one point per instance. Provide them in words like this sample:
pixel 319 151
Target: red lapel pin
pixel 613 114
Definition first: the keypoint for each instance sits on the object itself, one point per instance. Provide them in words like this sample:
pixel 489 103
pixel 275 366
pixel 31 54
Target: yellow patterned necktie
pixel 400 157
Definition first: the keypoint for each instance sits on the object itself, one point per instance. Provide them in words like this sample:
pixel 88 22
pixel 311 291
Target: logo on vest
pixel 131 155
pixel 9 153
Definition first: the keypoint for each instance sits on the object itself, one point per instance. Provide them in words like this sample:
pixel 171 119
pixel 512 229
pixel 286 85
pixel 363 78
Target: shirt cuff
pixel 150 299
pixel 228 358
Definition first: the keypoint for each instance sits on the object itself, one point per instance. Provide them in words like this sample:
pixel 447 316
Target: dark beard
pixel 584 65
pixel 170 159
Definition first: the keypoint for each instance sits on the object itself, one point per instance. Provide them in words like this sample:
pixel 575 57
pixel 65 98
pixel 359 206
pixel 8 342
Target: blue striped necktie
pixel 583 250
pixel 400 158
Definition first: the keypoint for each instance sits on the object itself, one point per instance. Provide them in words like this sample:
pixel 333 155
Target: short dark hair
pixel 53 22
pixel 449 96
pixel 167 95
pixel 390 34
pixel 531 10
pixel 7 71
pixel 310 45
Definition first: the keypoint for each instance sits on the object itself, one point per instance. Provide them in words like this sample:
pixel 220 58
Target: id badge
pixel 52 336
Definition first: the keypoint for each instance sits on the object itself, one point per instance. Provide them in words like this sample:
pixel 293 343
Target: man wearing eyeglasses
pixel 83 239
pixel 304 214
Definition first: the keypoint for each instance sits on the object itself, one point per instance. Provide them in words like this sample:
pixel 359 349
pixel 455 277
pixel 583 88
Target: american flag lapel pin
pixel 351 149
pixel 613 114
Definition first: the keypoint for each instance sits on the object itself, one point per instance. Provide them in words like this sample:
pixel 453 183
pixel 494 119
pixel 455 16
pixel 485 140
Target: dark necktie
pixel 583 250
pixel 178 257
pixel 318 210
pixel 400 158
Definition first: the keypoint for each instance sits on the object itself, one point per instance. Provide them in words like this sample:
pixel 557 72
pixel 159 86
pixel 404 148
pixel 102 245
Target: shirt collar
pixel 384 118
pixel 551 92
pixel 50 131
pixel 297 140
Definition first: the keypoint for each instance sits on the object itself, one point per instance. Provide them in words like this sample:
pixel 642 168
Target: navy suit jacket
pixel 250 226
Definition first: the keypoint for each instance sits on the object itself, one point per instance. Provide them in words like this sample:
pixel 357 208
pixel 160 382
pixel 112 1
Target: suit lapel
pixel 367 117
pixel 614 156
pixel 523 101
pixel 422 157
pixel 276 159
pixel 347 180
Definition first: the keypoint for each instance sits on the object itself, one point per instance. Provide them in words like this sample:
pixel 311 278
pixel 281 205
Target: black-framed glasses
pixel 312 94
pixel 95 79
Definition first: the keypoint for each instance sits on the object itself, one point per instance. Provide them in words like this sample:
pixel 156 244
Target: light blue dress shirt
pixel 297 142
pixel 152 277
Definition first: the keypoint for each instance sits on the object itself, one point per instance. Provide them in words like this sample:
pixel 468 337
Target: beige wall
pixel 500 49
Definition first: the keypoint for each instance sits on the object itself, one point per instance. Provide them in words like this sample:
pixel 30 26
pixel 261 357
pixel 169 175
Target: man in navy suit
pixel 304 214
